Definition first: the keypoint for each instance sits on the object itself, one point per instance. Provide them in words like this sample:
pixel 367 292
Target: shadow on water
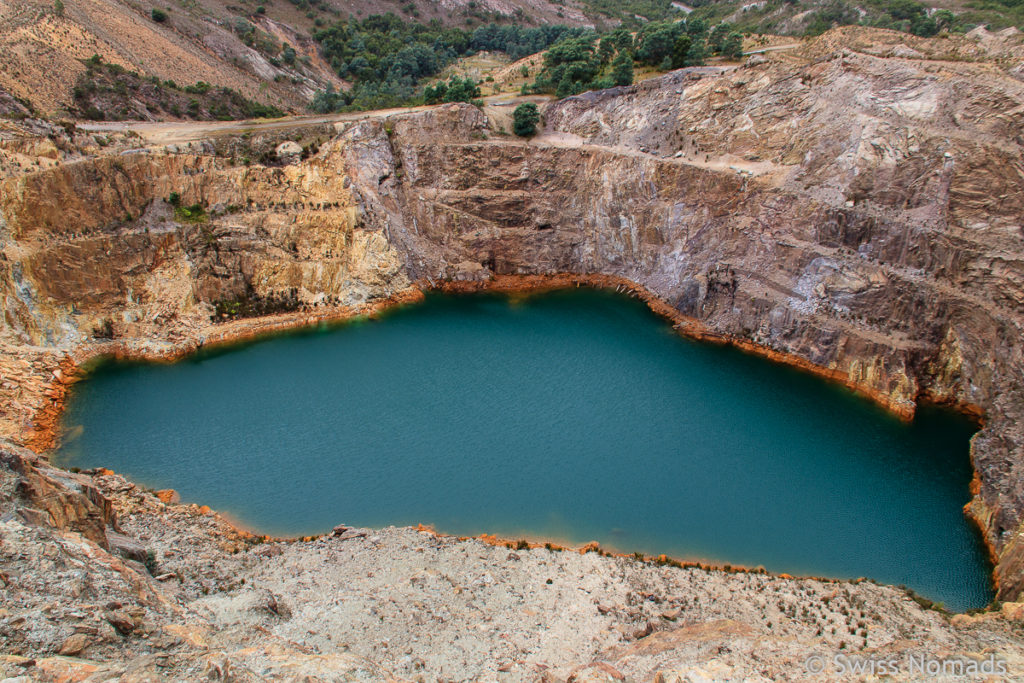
pixel 575 415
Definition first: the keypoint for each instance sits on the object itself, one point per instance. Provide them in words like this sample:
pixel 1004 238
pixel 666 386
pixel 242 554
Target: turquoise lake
pixel 573 416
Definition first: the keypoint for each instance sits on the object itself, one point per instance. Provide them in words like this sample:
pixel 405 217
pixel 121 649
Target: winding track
pixel 160 133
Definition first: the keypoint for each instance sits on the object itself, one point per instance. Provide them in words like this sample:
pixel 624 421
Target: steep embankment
pixel 43 51
pixel 852 213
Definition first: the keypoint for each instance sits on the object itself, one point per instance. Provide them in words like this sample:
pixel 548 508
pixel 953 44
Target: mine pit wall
pixel 431 198
pixel 899 307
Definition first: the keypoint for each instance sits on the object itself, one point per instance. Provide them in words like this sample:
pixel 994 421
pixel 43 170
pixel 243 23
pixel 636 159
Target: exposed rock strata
pixel 849 210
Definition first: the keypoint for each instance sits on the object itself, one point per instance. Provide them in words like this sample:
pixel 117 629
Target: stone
pixel 75 644
pixel 168 496
pixel 598 672
pixel 352 533
pixel 1013 611
pixel 126 547
pixel 122 622
pixel 288 150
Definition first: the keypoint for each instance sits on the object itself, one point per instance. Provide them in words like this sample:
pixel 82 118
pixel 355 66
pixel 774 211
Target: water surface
pixel 576 416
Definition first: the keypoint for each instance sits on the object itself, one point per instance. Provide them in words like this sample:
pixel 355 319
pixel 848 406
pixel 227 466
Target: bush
pixel 191 214
pixel 159 16
pixel 525 119
pixel 622 69
pixel 151 562
pixel 732 47
pixel 455 90
pixel 200 88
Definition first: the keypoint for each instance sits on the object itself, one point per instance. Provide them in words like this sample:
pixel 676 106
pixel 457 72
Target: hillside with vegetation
pixel 111 92
pixel 387 58
pixel 264 57
pixel 263 49
pixel 814 17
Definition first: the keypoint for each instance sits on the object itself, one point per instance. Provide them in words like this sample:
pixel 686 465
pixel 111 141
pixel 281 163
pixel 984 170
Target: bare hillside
pixel 43 44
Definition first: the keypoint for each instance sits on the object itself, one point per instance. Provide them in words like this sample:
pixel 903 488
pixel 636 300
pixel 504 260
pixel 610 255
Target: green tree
pixel 732 46
pixel 697 54
pixel 58 8
pixel 924 26
pixel 696 27
pixel 716 41
pixel 566 86
pixel 944 19
pixel 623 40
pixel 622 69
pixel 525 119
pixel 655 44
pixel 159 16
pixel 455 90
pixel 681 51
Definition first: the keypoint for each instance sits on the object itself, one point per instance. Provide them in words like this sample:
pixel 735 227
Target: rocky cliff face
pixel 855 211
pixel 841 209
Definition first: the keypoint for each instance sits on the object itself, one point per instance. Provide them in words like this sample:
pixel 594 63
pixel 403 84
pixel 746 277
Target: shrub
pixel 525 119
pixel 622 69
pixel 190 214
pixel 732 46
pixel 455 90
pixel 159 16
pixel 151 563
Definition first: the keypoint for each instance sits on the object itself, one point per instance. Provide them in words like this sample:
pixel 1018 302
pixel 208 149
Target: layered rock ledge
pixel 842 208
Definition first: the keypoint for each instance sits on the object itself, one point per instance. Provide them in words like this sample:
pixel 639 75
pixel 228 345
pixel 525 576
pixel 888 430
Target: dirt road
pixel 159 133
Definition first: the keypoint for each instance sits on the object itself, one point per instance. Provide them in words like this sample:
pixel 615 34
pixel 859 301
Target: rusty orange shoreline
pixel 170 497
pixel 43 435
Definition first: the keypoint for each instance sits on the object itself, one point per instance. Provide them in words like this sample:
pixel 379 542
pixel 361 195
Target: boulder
pixel 126 547
pixel 75 644
pixel 288 150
